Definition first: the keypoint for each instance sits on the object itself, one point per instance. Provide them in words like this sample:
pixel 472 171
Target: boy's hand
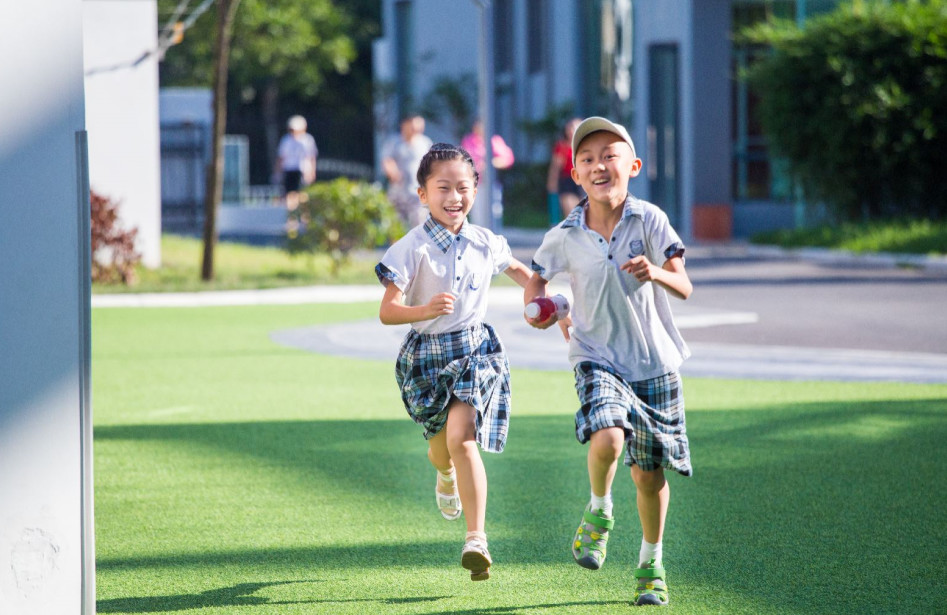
pixel 566 326
pixel 640 267
pixel 440 304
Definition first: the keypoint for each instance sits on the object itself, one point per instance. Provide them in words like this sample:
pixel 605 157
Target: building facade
pixel 665 68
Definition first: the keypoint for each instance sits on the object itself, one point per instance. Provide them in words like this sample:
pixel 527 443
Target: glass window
pixel 404 50
pixel 503 35
pixel 756 175
pixel 537 32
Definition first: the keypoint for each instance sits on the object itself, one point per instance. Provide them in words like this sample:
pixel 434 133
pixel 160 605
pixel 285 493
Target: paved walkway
pixel 531 348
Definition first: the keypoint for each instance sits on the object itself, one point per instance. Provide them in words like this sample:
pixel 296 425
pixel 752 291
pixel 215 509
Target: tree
pixel 226 9
pixel 279 46
pixel 855 101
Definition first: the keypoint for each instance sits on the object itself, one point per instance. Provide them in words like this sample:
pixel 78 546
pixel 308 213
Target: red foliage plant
pixel 113 249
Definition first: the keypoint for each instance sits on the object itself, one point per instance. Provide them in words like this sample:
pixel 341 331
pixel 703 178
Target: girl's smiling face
pixel 449 193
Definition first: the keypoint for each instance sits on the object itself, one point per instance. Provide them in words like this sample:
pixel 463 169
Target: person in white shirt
pixel 296 160
pixel 452 370
pixel 400 157
pixel 623 259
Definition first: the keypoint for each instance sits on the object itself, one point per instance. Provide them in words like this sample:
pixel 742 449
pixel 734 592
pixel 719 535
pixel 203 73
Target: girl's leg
pixel 439 457
pixel 461 443
pixel 605 447
pixel 653 497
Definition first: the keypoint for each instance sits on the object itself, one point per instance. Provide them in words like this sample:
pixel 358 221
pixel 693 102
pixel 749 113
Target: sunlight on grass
pixel 241 266
pixel 231 472
pixel 900 237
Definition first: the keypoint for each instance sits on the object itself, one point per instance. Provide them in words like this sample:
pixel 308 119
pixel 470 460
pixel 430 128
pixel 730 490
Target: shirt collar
pixel 576 217
pixel 441 237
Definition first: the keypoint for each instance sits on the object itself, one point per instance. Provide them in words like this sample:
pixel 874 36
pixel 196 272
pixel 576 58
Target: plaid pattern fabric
pixel 469 364
pixel 650 411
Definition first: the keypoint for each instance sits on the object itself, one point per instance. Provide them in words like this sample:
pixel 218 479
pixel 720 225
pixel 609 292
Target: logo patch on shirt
pixel 636 247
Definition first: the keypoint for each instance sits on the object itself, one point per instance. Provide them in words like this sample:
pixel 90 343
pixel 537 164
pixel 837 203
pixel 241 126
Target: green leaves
pixel 340 216
pixel 855 102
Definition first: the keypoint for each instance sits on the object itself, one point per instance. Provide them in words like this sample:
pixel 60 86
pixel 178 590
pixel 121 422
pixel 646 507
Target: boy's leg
pixel 591 538
pixel 605 448
pixel 653 495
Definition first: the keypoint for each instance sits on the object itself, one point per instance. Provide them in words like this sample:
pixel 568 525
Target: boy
pixel 623 259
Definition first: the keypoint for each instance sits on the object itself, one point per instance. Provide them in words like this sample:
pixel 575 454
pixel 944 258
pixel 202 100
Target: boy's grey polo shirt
pixel 429 260
pixel 617 321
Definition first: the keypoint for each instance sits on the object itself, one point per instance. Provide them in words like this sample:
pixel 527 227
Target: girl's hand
pixel 440 304
pixel 643 269
pixel 542 324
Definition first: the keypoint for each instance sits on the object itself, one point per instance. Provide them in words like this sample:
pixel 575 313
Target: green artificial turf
pixel 233 475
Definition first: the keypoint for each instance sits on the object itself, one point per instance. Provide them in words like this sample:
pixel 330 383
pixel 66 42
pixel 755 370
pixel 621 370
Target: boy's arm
pixel 518 272
pixel 672 276
pixel 394 312
pixel 536 287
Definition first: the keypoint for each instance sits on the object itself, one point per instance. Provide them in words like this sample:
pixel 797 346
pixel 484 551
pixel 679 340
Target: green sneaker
pixel 651 588
pixel 588 546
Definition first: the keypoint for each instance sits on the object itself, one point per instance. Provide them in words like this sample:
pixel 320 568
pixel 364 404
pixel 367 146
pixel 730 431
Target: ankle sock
pixel 603 502
pixel 650 552
pixel 448 477
pixel 482 536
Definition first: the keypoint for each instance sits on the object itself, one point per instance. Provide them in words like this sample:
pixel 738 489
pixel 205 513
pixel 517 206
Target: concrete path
pixel 714 354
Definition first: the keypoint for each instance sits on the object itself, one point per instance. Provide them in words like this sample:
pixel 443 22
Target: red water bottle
pixel 541 308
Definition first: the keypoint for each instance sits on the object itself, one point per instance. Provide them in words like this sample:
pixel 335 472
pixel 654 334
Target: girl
pixel 452 369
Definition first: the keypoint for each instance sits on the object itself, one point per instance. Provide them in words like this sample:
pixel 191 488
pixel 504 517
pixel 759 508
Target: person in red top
pixel 559 183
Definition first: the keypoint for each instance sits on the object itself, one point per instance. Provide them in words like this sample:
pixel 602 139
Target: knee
pixel 648 481
pixel 606 445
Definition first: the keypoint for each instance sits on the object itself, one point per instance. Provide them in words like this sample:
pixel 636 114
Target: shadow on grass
pixel 237 595
pixel 795 508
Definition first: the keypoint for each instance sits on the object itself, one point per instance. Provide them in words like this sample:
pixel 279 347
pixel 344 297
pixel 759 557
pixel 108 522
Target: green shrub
pixel 855 101
pixel 340 216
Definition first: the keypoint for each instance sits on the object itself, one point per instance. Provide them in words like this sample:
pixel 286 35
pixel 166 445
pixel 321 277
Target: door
pixel 663 159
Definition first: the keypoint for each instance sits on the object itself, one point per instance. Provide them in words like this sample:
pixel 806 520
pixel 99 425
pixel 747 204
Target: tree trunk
pixel 226 10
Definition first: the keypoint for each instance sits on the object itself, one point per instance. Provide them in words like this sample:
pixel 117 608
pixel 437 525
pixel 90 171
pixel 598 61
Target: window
pixel 537 32
pixel 503 35
pixel 757 176
pixel 404 51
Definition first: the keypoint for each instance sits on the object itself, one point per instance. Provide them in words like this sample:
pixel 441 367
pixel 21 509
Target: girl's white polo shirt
pixel 617 321
pixel 429 260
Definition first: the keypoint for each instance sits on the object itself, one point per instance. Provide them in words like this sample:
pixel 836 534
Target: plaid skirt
pixel 470 365
pixel 650 411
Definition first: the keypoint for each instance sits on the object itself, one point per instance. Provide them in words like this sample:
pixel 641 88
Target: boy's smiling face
pixel 449 192
pixel 603 165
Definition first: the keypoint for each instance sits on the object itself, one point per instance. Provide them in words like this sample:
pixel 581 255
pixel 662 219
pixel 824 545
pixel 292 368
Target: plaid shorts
pixel 470 365
pixel 650 411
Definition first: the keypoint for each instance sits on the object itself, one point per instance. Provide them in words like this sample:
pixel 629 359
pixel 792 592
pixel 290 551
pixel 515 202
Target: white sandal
pixel 476 558
pixel 448 503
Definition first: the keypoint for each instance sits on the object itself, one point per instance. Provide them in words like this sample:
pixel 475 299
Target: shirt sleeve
pixel 394 268
pixel 663 240
pixel 501 253
pixel 549 259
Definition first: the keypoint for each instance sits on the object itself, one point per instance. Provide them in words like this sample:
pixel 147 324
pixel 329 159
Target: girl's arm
pixel 672 276
pixel 394 312
pixel 518 272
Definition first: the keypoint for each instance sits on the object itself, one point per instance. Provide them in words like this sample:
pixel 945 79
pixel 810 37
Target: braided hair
pixel 444 151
